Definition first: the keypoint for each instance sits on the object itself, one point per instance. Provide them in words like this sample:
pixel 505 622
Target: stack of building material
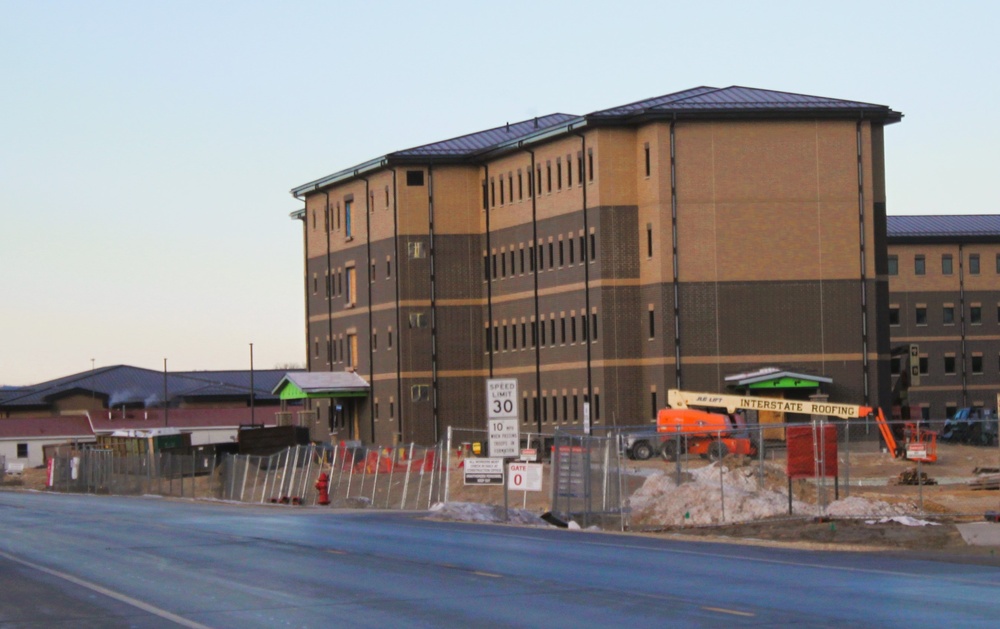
pixel 985 481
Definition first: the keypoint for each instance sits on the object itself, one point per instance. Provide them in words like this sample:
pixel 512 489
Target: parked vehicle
pixel 975 426
pixel 641 446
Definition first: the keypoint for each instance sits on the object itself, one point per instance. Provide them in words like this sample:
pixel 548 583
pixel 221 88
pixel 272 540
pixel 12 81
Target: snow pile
pixel 661 502
pixel 905 520
pixel 475 512
pixel 857 507
pixel 704 498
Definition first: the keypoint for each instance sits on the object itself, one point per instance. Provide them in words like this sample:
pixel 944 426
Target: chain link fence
pixel 622 478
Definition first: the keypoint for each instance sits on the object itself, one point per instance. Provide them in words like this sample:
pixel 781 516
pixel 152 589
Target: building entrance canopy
pixel 312 385
pixel 776 378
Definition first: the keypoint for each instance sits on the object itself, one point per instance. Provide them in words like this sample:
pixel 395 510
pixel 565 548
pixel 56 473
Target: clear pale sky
pixel 147 148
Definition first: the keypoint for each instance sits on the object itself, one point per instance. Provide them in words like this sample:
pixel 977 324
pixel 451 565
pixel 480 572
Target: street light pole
pixel 252 422
pixel 166 400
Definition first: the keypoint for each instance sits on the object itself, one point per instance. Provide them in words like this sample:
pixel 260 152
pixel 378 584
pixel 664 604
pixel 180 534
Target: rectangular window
pixel 572 328
pixel 388 268
pixel 494 256
pixel 652 324
pixel 22 450
pixel 646 151
pixel 489 339
pixel 559 174
pixel 521 255
pixel 503 264
pixel 950 409
pixel 552 329
pixel 560 253
pixel 576 407
pixel 649 240
pixel 420 393
pixel 541 256
pixel 414 177
pixel 921 315
pixel 501 190
pixel 977 364
pixel 552 254
pixel 590 164
pixel 569 171
pixel 374 340
pixel 919 265
pixel 924 366
pixel 584 328
pixel 486 195
pixel 534 333
pixel 486 267
pixel 352 286
pixel 949 365
pixel 390 338
pixel 538 181
pixel 893 265
pixel 524 335
pixel 894 366
pixel 352 350
pixel 948 315
pixel 416 249
pixel 569 241
pixel 652 403
pixel 520 196
pixel 974 264
pixel 579 167
pixel 593 247
pixel 975 315
pixel 371 275
pixel 510 187
pixel 542 327
pixel 597 406
pixel 593 327
pixel 946 264
pixel 893 315
pixel 505 337
pixel 998 263
pixel 493 193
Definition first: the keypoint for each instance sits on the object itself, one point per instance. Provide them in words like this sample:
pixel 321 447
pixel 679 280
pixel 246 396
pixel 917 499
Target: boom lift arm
pixel 684 399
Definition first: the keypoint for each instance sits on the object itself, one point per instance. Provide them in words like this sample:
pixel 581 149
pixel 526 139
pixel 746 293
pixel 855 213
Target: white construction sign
pixel 524 476
pixel 483 471
pixel 501 417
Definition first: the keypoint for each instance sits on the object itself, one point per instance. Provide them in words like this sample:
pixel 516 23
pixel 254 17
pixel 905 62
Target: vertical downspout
pixel 305 264
pixel 676 280
pixel 536 403
pixel 328 290
pixel 961 309
pixel 586 261
pixel 489 272
pixel 864 268
pixel 434 365
pixel 371 280
pixel 399 331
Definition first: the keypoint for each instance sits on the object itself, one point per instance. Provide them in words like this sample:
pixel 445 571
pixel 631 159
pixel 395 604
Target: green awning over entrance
pixel 312 385
pixel 785 383
pixel 776 378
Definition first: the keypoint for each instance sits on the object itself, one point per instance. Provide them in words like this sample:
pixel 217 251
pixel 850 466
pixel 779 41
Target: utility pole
pixel 166 400
pixel 252 423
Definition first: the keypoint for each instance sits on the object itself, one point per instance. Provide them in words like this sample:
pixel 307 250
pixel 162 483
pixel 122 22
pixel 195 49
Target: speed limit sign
pixel 501 398
pixel 501 417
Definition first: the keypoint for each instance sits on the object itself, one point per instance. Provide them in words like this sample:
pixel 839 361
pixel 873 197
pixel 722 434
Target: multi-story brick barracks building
pixel 944 283
pixel 604 258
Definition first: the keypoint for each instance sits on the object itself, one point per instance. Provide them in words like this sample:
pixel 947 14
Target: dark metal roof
pixel 701 103
pixel 942 228
pixel 737 101
pixel 124 384
pixel 473 143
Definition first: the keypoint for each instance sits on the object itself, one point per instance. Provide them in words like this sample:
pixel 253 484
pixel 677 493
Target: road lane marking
pixel 128 600
pixel 487 574
pixel 723 610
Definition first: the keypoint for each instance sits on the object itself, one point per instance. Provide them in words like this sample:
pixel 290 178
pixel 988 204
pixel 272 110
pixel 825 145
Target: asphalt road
pixel 86 561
